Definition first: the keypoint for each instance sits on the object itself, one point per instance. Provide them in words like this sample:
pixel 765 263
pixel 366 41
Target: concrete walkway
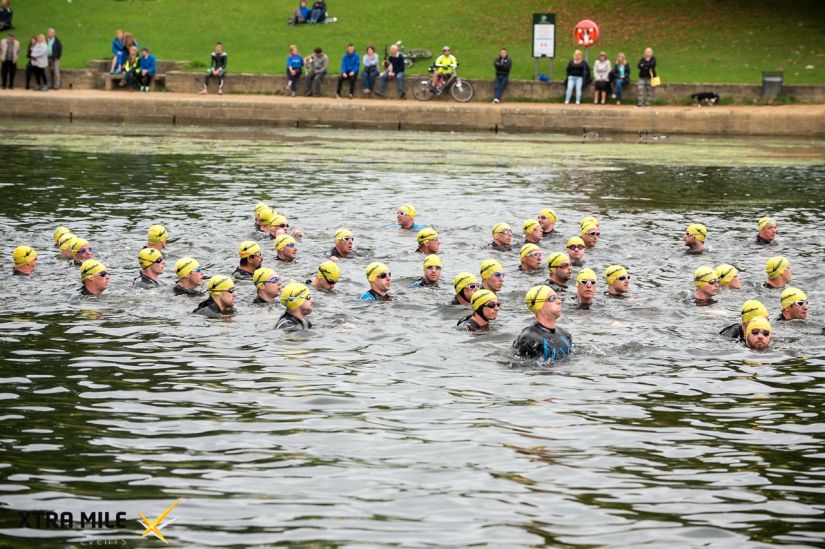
pixel 438 115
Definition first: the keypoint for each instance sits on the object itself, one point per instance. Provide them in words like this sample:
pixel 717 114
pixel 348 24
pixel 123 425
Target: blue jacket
pixel 294 62
pixel 305 12
pixel 117 46
pixel 148 64
pixel 350 63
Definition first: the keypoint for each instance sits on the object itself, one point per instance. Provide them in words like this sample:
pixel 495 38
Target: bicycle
pixel 460 90
pixel 411 55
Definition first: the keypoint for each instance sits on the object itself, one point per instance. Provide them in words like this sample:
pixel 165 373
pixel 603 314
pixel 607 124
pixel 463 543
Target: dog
pixel 708 98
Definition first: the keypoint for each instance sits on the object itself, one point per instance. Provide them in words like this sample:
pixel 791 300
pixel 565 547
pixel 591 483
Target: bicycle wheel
pixel 421 90
pixel 462 91
pixel 408 62
pixel 421 53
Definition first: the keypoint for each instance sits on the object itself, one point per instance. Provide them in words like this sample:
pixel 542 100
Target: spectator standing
pixel 9 52
pixel 6 14
pixel 503 64
pixel 40 60
pixel 621 77
pixel 317 67
pixel 29 66
pixel 131 69
pixel 370 68
pixel 217 68
pixel 577 72
pixel 301 14
pixel 647 70
pixel 350 64
pixel 394 69
pixel 119 52
pixel 294 66
pixel 55 53
pixel 601 74
pixel 318 13
pixel 147 67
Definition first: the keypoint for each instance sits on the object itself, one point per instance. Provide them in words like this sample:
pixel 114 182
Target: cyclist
pixel 445 66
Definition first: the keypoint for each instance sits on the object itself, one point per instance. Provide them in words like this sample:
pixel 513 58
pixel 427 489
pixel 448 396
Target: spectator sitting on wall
pixel 119 52
pixel 370 69
pixel 217 68
pixel 294 67
pixel 601 71
pixel 148 65
pixel 131 69
pixel 317 65
pixel 350 64
pixel 619 77
pixel 301 14
pixel 6 14
pixel 394 69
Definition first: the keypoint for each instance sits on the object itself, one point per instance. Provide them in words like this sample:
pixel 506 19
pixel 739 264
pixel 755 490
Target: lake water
pixel 385 425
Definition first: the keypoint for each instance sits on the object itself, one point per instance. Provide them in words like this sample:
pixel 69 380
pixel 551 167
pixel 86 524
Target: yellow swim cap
pixel 698 230
pixel 157 234
pixel 586 274
pixel 703 275
pixel 147 256
pixel 407 209
pixel 529 225
pixel 186 265
pixel 90 268
pixel 60 231
pixel 528 249
pixel 266 216
pixel 248 248
pixel 259 207
pixel 574 241
pixel 341 234
pixel 589 226
pixel 293 295
pixel 789 295
pixel 726 273
pixel 759 323
pixel 218 284
pixel 490 266
pixel 549 214
pixel 283 241
pixel 613 272
pixel 329 271
pixel 432 260
pixel 501 227
pixel 78 245
pixel 278 219
pixel 67 242
pixel 752 309
pixel 766 222
pixel 374 269
pixel 481 297
pixel 776 265
pixel 536 296
pixel 588 219
pixel 555 259
pixel 23 254
pixel 426 235
pixel 462 280
pixel 262 276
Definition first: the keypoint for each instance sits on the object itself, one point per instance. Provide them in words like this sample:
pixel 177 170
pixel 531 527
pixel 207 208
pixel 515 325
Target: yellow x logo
pixel 154 526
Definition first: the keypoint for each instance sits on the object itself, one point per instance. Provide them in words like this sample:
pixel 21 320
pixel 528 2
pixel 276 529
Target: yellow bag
pixel 655 82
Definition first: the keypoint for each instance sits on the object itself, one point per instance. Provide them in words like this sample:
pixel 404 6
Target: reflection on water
pixel 386 426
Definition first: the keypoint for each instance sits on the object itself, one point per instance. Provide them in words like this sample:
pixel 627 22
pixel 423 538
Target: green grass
pixel 694 41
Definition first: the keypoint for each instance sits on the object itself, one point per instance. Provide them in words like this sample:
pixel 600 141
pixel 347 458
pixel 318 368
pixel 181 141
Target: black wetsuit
pixel 471 324
pixel 523 270
pixel 335 253
pixel 582 306
pixel 501 247
pixel 15 272
pixel 734 331
pixel 240 274
pixel 694 252
pixel 180 290
pixel 548 233
pixel 537 341
pixel 84 291
pixel 782 318
pixel 704 302
pixel 145 282
pixel 555 285
pixel 577 262
pixel 260 301
pixel 375 296
pixel 768 286
pixel 209 309
pixel 761 241
pixel 423 283
pixel 291 323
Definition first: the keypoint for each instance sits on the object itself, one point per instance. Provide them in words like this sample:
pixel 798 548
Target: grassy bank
pixel 694 41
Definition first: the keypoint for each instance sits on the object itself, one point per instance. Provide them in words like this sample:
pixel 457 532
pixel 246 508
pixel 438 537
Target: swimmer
pixel 465 285
pixel 794 304
pixel 25 261
pixel 547 220
pixel 66 243
pixel 618 280
pixel 157 237
pixel 428 241
pixel 485 307
pixel 586 288
pixel 750 309
pixel 58 233
pixel 575 250
pixel 767 231
pixel 221 290
pixel 190 277
pixel 530 255
pixel 343 244
pixel 707 285
pixel 279 225
pixel 298 303
pixel 694 238
pixel 779 272
pixel 267 286
pixel 286 247
pixel 758 337
pixel 590 234
pixel 380 279
pixel 94 276
pixel 251 259
pixel 728 277
pixel 432 273
pixel 543 339
pixel 492 275
pixel 266 220
pixel 326 277
pixel 81 251
pixel 502 237
pixel 259 208
pixel 587 220
pixel 152 265
pixel 532 231
pixel 406 218
pixel 558 263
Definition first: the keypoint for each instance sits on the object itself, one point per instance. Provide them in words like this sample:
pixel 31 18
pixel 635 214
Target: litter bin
pixel 771 85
